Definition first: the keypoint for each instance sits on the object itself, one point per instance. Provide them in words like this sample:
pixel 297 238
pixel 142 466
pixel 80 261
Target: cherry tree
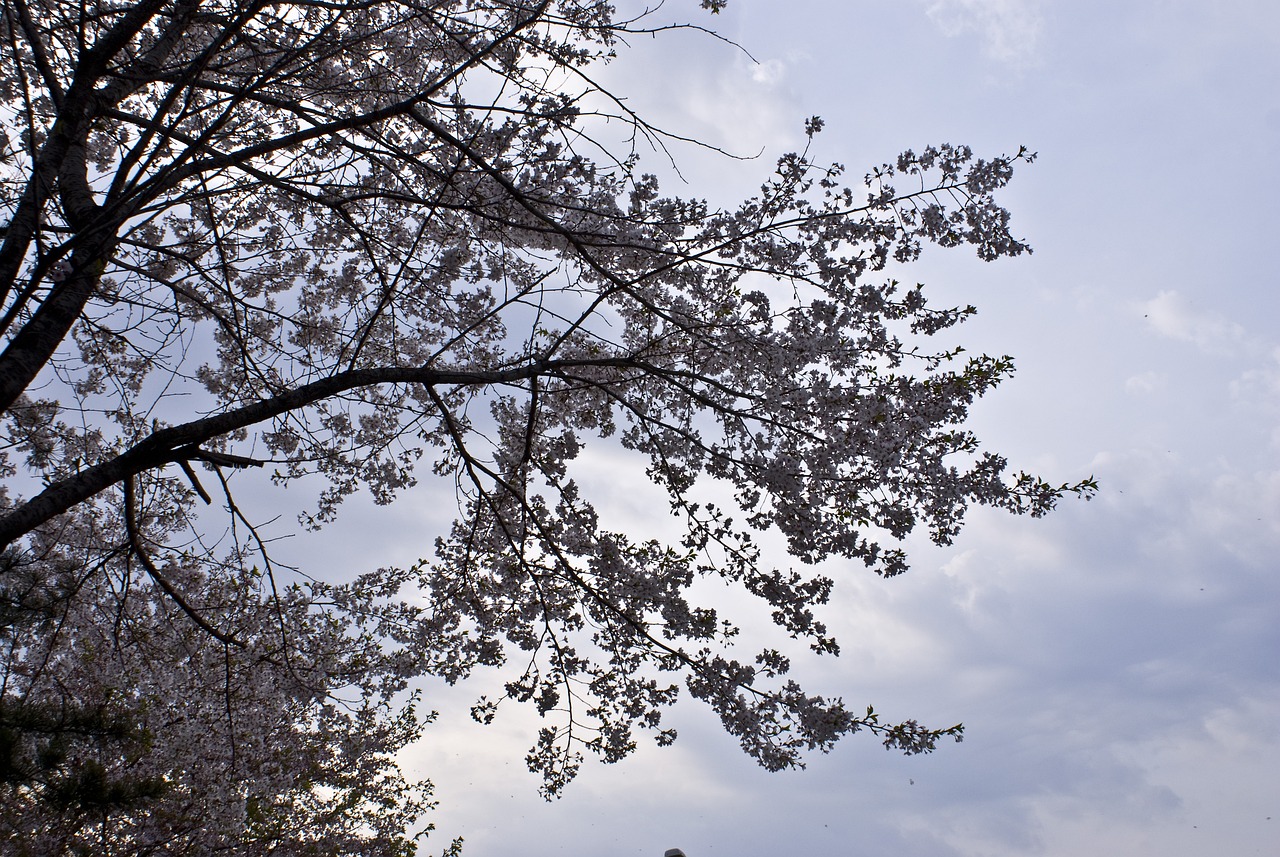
pixel 342 245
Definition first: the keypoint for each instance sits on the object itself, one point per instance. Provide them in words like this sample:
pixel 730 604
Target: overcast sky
pixel 1117 665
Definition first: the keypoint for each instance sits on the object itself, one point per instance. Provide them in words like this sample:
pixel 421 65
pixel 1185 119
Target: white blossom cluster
pixel 343 241
pixel 129 728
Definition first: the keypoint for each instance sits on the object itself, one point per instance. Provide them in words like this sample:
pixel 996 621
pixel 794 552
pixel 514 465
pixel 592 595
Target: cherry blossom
pixel 353 244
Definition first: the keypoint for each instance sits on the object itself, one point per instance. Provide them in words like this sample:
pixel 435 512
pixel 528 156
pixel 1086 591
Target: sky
pixel 1117 664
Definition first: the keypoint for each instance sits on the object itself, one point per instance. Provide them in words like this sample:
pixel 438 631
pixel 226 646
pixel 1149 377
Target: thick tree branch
pixel 77 106
pixel 184 441
pixel 64 157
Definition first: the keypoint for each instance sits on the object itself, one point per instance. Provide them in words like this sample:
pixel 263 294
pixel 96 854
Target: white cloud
pixel 1238 512
pixel 1147 382
pixel 1260 384
pixel 769 72
pixel 1169 314
pixel 1010 29
pixel 745 108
